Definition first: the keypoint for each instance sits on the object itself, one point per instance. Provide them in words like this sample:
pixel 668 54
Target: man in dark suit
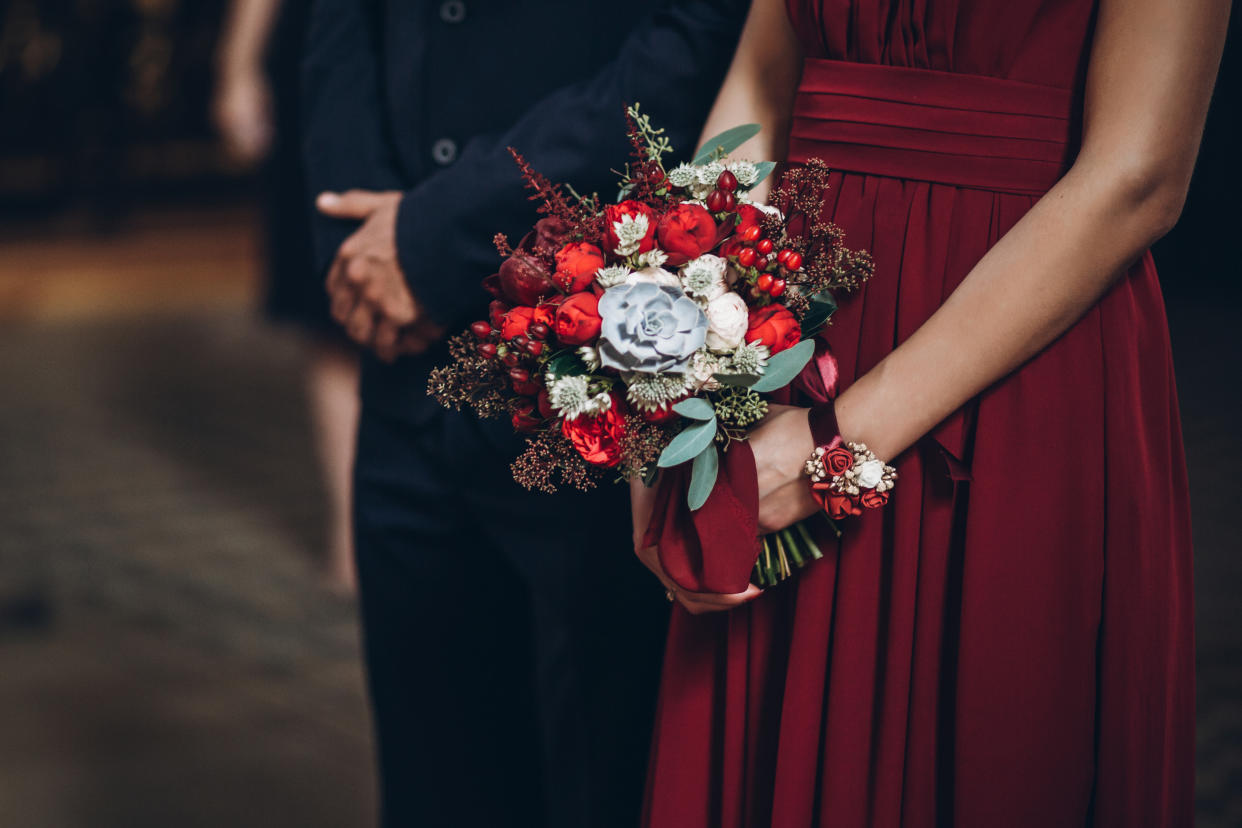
pixel 512 641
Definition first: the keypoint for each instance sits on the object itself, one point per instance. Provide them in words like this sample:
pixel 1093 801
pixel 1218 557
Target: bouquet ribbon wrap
pixel 714 548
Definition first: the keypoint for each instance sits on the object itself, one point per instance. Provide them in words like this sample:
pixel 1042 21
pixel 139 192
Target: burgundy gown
pixel 1009 642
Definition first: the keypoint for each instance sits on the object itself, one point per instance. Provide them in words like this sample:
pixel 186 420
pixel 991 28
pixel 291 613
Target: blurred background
pixel 177 629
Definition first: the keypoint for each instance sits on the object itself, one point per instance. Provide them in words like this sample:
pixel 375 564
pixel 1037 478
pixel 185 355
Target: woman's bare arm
pixel 1152 69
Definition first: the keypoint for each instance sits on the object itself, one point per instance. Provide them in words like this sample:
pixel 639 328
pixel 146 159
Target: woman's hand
pixel 781 444
pixel 642 503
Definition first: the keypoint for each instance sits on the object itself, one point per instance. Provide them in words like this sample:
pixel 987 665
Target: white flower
pixel 654 275
pixel 750 358
pixel 652 258
pixel 701 376
pixel 745 172
pixel 705 179
pixel 648 392
pixel 630 230
pixel 572 397
pixel 704 278
pixel 727 319
pixel 683 175
pixel 868 474
pixel 589 357
pixel 612 276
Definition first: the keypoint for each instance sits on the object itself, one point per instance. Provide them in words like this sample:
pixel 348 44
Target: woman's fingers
pixel 786 506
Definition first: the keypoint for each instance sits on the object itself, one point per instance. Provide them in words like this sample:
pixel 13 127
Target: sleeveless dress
pixel 1009 641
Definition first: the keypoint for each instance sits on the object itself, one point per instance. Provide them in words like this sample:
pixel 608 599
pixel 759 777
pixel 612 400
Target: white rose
pixel 727 319
pixel 654 275
pixel 869 473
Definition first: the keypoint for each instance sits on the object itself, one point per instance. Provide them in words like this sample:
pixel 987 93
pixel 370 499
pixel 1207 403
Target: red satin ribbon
pixel 714 548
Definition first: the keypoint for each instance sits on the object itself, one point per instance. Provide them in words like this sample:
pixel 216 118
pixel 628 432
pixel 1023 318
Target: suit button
pixel 444 151
pixel 452 11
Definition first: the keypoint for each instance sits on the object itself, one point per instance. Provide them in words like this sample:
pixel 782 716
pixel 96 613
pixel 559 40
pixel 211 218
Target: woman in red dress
pixel 1009 641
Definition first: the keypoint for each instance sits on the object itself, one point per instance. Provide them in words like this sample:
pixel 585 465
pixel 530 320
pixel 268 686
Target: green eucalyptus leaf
pixel 695 408
pixel 765 169
pixel 687 445
pixel 738 380
pixel 703 477
pixel 725 143
pixel 783 367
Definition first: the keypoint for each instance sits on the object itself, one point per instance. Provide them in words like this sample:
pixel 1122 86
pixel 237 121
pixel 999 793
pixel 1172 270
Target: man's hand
pixel 367 288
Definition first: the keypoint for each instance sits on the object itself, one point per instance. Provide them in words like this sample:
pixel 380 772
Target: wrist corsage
pixel 847 478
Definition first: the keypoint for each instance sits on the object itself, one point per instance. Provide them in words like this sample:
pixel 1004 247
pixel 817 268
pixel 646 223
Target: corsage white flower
pixel 869 474
pixel 704 278
pixel 727 319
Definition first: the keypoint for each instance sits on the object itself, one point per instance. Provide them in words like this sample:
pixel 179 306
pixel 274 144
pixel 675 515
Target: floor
pixel 169 654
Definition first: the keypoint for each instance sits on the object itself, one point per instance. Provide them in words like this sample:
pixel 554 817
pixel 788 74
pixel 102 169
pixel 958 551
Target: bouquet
pixel 628 337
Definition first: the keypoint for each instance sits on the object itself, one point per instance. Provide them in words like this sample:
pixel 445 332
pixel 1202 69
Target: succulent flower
pixel 649 328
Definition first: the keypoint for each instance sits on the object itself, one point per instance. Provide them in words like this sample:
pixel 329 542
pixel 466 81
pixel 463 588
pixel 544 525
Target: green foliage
pixel 703 477
pixel 726 142
pixel 783 367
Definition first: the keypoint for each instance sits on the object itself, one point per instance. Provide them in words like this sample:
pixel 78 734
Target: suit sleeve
pixel 672 64
pixel 345 139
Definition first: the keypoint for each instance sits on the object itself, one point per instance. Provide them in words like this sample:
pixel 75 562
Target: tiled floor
pixel 157 494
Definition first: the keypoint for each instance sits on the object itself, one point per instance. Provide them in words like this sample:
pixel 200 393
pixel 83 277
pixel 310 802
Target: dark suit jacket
pixel 426 96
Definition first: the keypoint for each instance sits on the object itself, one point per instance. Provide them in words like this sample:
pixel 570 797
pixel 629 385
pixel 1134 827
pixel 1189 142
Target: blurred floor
pixel 170 657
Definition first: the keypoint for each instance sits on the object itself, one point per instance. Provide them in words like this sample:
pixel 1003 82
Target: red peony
pixel 576 264
pixel 577 319
pixel 598 438
pixel 775 327
pixel 518 321
pixel 523 280
pixel 686 232
pixel 615 212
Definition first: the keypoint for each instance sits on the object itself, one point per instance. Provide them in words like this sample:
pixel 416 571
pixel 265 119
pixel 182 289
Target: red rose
pixel 837 505
pixel 686 232
pixel 615 212
pixel 837 460
pixel 873 499
pixel 524 280
pixel 517 322
pixel 598 438
pixel 775 327
pixel 576 264
pixel 577 319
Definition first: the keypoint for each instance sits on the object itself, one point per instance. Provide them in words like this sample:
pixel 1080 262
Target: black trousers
pixel 513 641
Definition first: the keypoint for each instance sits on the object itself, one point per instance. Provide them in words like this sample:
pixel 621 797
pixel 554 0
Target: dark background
pixel 168 654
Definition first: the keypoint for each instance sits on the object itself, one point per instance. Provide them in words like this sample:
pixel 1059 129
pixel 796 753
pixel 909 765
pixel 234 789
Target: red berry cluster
pixel 751 250
pixel 723 199
pixel 520 354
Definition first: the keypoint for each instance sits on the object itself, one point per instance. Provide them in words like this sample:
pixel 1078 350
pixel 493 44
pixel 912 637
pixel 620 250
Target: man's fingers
pixel 361 324
pixel 387 335
pixel 344 301
pixel 353 204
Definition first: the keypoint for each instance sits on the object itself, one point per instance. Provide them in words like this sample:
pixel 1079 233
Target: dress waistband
pixel 966 130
